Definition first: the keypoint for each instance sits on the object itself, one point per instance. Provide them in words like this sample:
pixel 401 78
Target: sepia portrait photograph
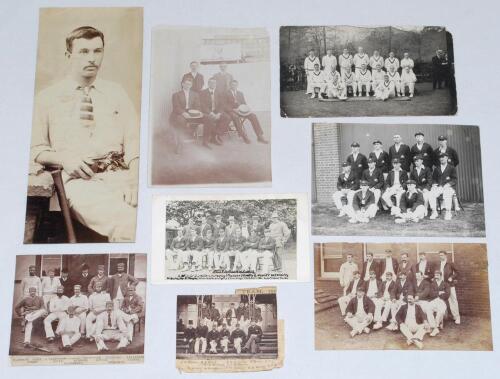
pixel 230 238
pixel 78 309
pixel 343 71
pixel 402 296
pixel 229 332
pixel 210 107
pixel 84 155
pixel 421 180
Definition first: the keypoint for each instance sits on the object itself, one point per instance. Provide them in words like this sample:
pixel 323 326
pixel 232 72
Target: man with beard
pixel 110 327
pixel 120 282
pixel 67 282
pixel 69 329
pixel 131 308
pixel 30 308
pixel 213 339
pixel 31 281
pixel 80 304
pixel 58 305
pixel 49 286
pixel 97 305
pixel 412 322
pixel 101 279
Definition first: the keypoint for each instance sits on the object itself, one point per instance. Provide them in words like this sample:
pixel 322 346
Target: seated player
pixel 422 176
pixel 412 322
pixel 318 82
pixel 408 79
pixel 236 250
pixel 363 205
pixel 80 302
pixel 373 286
pixel 404 287
pixel 213 339
pixel 69 329
pixel 208 247
pixel 224 336
pixel 58 305
pixel 193 251
pixel 251 253
pixel 201 338
pixel 359 313
pixel 395 79
pixel 221 254
pixel 175 253
pixel 439 295
pixel 267 246
pixel 350 291
pixel 110 327
pixel 190 336
pixel 386 89
pixel 97 305
pixel 444 180
pixel 347 185
pixel 254 335
pixel 377 77
pixel 30 309
pixel 384 301
pixel 131 308
pixel 411 205
pixel 349 79
pixel 238 337
pixel 395 186
pixel 335 87
pixel 363 79
pixel 422 287
pixel 374 177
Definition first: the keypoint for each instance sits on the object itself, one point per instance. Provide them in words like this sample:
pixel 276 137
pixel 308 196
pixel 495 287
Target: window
pixel 53 262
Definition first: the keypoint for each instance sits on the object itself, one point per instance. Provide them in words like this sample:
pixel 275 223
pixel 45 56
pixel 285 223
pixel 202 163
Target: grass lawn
pixel 426 102
pixel 469 222
pixel 332 333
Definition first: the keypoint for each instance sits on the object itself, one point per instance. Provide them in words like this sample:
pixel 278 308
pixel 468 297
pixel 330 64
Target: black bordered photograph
pixel 210 111
pixel 402 296
pixel 230 237
pixel 420 180
pixel 78 309
pixel 342 71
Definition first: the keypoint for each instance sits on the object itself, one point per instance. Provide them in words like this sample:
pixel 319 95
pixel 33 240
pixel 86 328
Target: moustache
pixel 90 66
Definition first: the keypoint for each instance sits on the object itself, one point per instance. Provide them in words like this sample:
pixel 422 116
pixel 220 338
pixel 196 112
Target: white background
pixel 475 29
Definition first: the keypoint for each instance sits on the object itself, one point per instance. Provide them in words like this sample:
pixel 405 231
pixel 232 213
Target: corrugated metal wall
pixel 464 139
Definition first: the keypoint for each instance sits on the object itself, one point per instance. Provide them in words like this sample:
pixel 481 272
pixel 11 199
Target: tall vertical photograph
pixel 210 106
pixel 84 153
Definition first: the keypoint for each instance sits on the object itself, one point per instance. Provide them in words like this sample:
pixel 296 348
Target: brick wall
pixel 327 165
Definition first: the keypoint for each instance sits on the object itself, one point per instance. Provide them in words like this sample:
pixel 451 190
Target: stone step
pixel 325 306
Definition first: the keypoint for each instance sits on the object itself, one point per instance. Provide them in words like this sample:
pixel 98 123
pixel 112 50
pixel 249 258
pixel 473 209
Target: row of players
pixel 231 247
pixel 406 190
pixel 415 302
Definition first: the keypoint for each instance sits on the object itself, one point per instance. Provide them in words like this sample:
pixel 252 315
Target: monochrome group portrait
pixel 332 71
pixel 84 156
pixel 210 110
pixel 404 296
pixel 78 305
pixel 398 180
pixel 231 239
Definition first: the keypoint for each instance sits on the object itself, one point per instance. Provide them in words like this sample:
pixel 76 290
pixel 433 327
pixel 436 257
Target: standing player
pixel 381 158
pixel 346 272
pixel 444 180
pixel 449 273
pixel 357 160
pixel 407 62
pixel 309 63
pixel 392 63
pixel 329 62
pixel 400 151
pixel 345 61
pixel 424 149
pixel 376 60
pixel 360 59
pixel 444 148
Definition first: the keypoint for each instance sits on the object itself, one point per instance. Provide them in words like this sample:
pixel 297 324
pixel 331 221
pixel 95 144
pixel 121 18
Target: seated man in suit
pixel 201 338
pixel 395 186
pixel 412 204
pixel 110 327
pixel 254 336
pixel 350 292
pixel 404 287
pixel 131 308
pixel 360 312
pixel 422 175
pixel 444 180
pixel 412 322
pixel 30 308
pixel 236 107
pixel 186 107
pixel 238 337
pixel 375 178
pixel 213 339
pixel 190 336
pixel 224 335
pixel 347 185
pixel 212 106
pixel 363 205
pixel 384 301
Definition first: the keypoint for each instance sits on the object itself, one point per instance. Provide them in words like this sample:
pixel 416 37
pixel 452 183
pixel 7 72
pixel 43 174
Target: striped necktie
pixel 86 107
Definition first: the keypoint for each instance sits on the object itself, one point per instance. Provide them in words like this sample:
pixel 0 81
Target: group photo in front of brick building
pixel 86 304
pixel 397 180
pixel 332 71
pixel 401 296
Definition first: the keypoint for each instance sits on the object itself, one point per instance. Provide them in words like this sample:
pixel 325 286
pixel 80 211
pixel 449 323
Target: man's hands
pixel 77 167
pixel 131 187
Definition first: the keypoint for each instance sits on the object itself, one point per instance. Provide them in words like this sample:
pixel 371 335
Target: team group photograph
pixel 402 296
pixel 324 68
pixel 409 179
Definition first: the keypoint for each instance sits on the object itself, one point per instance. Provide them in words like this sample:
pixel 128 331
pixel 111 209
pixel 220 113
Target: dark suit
pixel 223 80
pixel 212 101
pixel 452 156
pixel 363 202
pixel 373 267
pixel 395 266
pixel 382 162
pixel 422 290
pixel 84 282
pixel 68 285
pixel 391 289
pixel 426 152
pixel 351 182
pixel 411 201
pixel 420 316
pixel 439 68
pixel 448 176
pixel 391 178
pixel 423 179
pixel 368 305
pixel 435 290
pixel 403 154
pixel 403 290
pixel 449 272
pixel 358 165
pixel 233 101
pixel 406 269
pixel 428 271
pixel 198 81
pixel 374 179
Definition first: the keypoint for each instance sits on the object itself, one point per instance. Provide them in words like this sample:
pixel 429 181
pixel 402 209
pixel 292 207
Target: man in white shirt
pixel 49 286
pixel 32 280
pixel 444 180
pixel 359 313
pixel 376 60
pixel 80 304
pixel 391 62
pixel 349 79
pixel 364 79
pixel 345 61
pixel 309 63
pixel 439 294
pixel 360 59
pixel 346 272
pixel 384 301
pixel 350 292
pixel 97 305
pixel 89 127
pixel 317 82
pixel 395 79
pixel 329 62
pixel 110 327
pixel 408 79
pixel 412 322
pixel 58 305
pixel 407 62
pixel 389 264
pixel 69 329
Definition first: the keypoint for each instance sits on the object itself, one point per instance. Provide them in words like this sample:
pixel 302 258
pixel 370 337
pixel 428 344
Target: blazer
pixel 403 154
pixel 179 105
pixel 411 201
pixel 212 335
pixel 123 282
pixel 452 156
pixel 351 285
pixel 206 101
pixel 232 101
pixel 368 305
pixel 407 269
pixel 389 181
pixel 448 176
pixel 420 316
pixel 422 290
pixel 267 243
pixel 382 162
pixel 221 245
pixel 424 179
pixel 255 329
pixel 358 165
pixel 131 306
pixel 379 287
pixel 358 202
pixel 395 266
pixel 428 271
pixel 426 152
pixel 403 290
pixel 350 183
pixel 375 179
pixel 374 266
pixel 442 291
pixel 201 331
pixel 198 81
pixel 391 289
pixel 449 272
